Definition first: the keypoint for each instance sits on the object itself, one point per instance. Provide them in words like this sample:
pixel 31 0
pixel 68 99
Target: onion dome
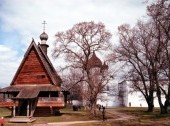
pixel 94 61
pixel 43 36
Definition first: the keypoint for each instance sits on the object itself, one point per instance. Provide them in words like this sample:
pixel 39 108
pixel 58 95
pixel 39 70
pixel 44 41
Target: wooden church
pixel 36 87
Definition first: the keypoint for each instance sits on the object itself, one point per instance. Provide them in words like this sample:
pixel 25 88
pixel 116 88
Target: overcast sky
pixel 21 20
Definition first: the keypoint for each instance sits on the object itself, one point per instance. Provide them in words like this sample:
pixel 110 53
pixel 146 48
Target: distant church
pixel 36 87
pixel 116 94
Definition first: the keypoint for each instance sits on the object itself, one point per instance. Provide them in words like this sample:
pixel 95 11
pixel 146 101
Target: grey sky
pixel 21 20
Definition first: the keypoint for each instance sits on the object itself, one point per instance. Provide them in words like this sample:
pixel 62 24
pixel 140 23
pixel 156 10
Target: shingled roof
pixel 29 91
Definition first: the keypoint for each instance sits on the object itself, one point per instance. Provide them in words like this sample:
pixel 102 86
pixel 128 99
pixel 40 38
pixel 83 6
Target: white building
pixel 124 97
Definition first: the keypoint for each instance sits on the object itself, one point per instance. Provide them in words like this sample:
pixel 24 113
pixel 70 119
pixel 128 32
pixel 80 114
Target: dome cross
pixel 44 23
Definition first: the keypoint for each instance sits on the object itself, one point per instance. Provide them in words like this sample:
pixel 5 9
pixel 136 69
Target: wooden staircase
pixel 21 119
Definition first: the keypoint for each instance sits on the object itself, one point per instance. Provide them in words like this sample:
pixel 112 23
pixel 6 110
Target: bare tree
pixel 145 48
pixel 159 13
pixel 77 45
pixel 72 82
pixel 132 50
pixel 97 80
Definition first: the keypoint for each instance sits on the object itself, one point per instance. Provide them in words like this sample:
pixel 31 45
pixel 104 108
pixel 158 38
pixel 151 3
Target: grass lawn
pixel 67 115
pixel 142 118
pixel 4 112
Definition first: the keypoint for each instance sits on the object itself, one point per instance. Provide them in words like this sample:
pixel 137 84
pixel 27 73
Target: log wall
pixel 32 71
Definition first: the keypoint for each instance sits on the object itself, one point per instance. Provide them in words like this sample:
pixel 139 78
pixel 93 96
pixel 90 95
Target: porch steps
pixel 22 119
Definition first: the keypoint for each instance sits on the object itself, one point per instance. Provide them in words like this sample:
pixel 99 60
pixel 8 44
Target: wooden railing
pixel 8 104
pixel 47 99
pixel 51 102
pixel 42 102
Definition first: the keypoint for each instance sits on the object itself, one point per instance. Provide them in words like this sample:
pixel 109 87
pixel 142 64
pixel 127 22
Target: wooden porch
pixel 59 104
pixel 22 119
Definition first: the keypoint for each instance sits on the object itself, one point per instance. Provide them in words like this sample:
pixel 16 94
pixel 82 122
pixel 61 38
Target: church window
pixel 41 76
pixel 108 88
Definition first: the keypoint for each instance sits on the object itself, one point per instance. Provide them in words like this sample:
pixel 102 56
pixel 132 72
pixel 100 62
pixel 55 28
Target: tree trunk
pixel 166 104
pixel 150 100
pixel 162 108
pixel 150 107
pixel 93 107
pixel 93 110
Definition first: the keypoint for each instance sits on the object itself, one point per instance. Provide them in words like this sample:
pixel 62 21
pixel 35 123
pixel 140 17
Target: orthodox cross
pixel 44 23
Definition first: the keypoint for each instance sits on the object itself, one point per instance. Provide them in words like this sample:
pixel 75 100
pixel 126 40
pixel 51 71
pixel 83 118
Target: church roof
pixel 46 64
pixel 29 91
pixel 94 61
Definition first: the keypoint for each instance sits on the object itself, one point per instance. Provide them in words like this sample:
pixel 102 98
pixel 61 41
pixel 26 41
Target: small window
pixel 40 76
pixel 108 88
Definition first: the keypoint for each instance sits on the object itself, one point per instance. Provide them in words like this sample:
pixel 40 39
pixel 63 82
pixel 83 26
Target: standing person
pixel 99 107
pixel 103 112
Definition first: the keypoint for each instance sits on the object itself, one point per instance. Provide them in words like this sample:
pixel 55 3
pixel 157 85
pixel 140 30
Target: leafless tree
pixel 132 50
pixel 77 45
pixel 146 48
pixel 159 13
pixel 72 82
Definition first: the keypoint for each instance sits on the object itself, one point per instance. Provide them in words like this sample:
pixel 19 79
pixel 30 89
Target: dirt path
pixel 121 116
pixel 66 123
pixel 71 123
